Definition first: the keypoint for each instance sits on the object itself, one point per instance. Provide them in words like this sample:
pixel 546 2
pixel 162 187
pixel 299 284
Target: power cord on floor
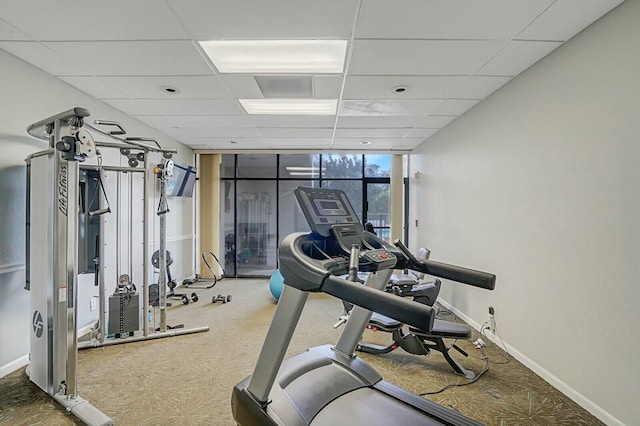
pixel 487 327
pixel 485 368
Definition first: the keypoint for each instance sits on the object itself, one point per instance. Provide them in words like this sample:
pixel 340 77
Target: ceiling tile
pixel 435 121
pixel 455 106
pixel 409 143
pixel 215 132
pixel 9 32
pixel 223 143
pixel 327 87
pixel 189 87
pixel 421 57
pixel 296 132
pixel 479 87
pixel 168 121
pixel 419 87
pixel 348 122
pixel 242 86
pixel 421 133
pixel 104 58
pixel 47 60
pixel 517 57
pixel 94 86
pixel 388 107
pixel 315 121
pixel 176 106
pixel 258 19
pixel 442 19
pixel 93 20
pixel 299 143
pixel 376 144
pixel 566 18
pixel 372 133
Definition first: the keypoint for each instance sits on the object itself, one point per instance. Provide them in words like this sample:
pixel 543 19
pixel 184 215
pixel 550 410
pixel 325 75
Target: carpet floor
pixel 187 380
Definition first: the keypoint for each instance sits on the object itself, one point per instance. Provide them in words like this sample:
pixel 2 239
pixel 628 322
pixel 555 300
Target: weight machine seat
pixel 403 280
pixel 441 329
pixel 383 323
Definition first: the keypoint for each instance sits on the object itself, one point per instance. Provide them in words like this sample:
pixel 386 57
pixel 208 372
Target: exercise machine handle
pixel 99 212
pixel 120 130
pixel 451 272
pixel 403 310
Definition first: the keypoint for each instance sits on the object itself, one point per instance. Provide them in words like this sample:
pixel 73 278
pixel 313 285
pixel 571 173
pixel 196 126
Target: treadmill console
pixel 332 218
pixel 324 207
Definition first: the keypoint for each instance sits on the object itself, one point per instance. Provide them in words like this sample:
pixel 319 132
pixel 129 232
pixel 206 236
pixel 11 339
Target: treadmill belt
pixel 367 406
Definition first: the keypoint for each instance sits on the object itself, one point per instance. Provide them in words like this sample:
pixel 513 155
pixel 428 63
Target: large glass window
pixel 257 166
pixel 227 216
pixel 290 217
pixel 378 211
pixel 377 165
pixel 341 166
pixel 228 168
pixel 258 205
pixel 300 166
pixel 353 190
pixel 256 239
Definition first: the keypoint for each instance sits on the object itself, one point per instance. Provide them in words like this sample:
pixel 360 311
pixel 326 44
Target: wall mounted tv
pixel 182 182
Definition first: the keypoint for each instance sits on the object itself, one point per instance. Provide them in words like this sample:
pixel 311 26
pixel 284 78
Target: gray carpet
pixel 188 379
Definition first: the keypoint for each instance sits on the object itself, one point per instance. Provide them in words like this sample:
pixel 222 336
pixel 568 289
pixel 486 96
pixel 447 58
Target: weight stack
pixel 123 314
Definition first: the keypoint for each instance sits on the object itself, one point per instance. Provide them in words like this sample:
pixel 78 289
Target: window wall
pixel 259 209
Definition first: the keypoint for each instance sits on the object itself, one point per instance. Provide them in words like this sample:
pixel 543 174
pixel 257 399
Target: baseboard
pixel 14 365
pixel 567 390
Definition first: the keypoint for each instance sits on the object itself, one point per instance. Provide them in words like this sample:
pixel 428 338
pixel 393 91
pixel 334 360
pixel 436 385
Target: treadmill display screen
pixel 324 207
pixel 330 208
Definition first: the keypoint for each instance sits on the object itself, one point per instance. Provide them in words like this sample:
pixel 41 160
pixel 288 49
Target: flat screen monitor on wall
pixel 182 182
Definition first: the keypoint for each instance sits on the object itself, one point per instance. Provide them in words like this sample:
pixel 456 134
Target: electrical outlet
pixel 93 304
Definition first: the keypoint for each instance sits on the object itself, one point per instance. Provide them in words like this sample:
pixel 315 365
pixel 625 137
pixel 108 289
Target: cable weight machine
pixel 53 279
pixel 53 180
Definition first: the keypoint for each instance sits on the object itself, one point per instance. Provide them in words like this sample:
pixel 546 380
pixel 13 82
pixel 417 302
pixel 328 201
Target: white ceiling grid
pixel 449 54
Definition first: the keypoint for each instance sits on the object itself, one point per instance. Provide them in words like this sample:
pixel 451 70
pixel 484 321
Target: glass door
pixel 377 209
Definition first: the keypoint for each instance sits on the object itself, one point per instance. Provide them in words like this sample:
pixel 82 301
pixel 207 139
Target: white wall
pixel 29 95
pixel 540 185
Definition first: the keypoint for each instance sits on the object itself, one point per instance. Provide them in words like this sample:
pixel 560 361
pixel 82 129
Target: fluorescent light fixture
pixel 304 173
pixel 277 56
pixel 290 106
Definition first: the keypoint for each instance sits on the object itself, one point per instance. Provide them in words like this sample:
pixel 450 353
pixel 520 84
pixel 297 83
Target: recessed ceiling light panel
pixel 277 56
pixel 290 106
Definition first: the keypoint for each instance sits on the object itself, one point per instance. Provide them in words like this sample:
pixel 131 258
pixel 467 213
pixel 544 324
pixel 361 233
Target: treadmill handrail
pixel 451 272
pixel 411 313
pixel 307 274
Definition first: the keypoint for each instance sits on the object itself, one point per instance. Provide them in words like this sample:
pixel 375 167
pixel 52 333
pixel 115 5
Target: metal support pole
pixel 130 227
pixel 277 341
pixel 145 243
pixel 162 279
pixel 64 270
pixel 359 317
pixel 102 325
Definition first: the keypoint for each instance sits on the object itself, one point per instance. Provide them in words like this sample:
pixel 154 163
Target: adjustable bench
pixel 418 341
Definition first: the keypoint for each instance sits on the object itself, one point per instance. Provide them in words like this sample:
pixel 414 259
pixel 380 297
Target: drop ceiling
pixel 449 55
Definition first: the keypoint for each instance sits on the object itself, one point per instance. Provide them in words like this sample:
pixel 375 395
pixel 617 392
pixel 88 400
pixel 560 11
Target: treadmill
pixel 329 385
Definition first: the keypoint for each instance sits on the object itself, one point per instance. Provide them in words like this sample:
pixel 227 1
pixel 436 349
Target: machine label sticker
pixel 38 324
pixel 62 190
pixel 62 293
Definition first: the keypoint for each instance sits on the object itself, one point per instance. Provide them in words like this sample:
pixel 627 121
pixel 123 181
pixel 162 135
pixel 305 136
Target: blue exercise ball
pixel 276 284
